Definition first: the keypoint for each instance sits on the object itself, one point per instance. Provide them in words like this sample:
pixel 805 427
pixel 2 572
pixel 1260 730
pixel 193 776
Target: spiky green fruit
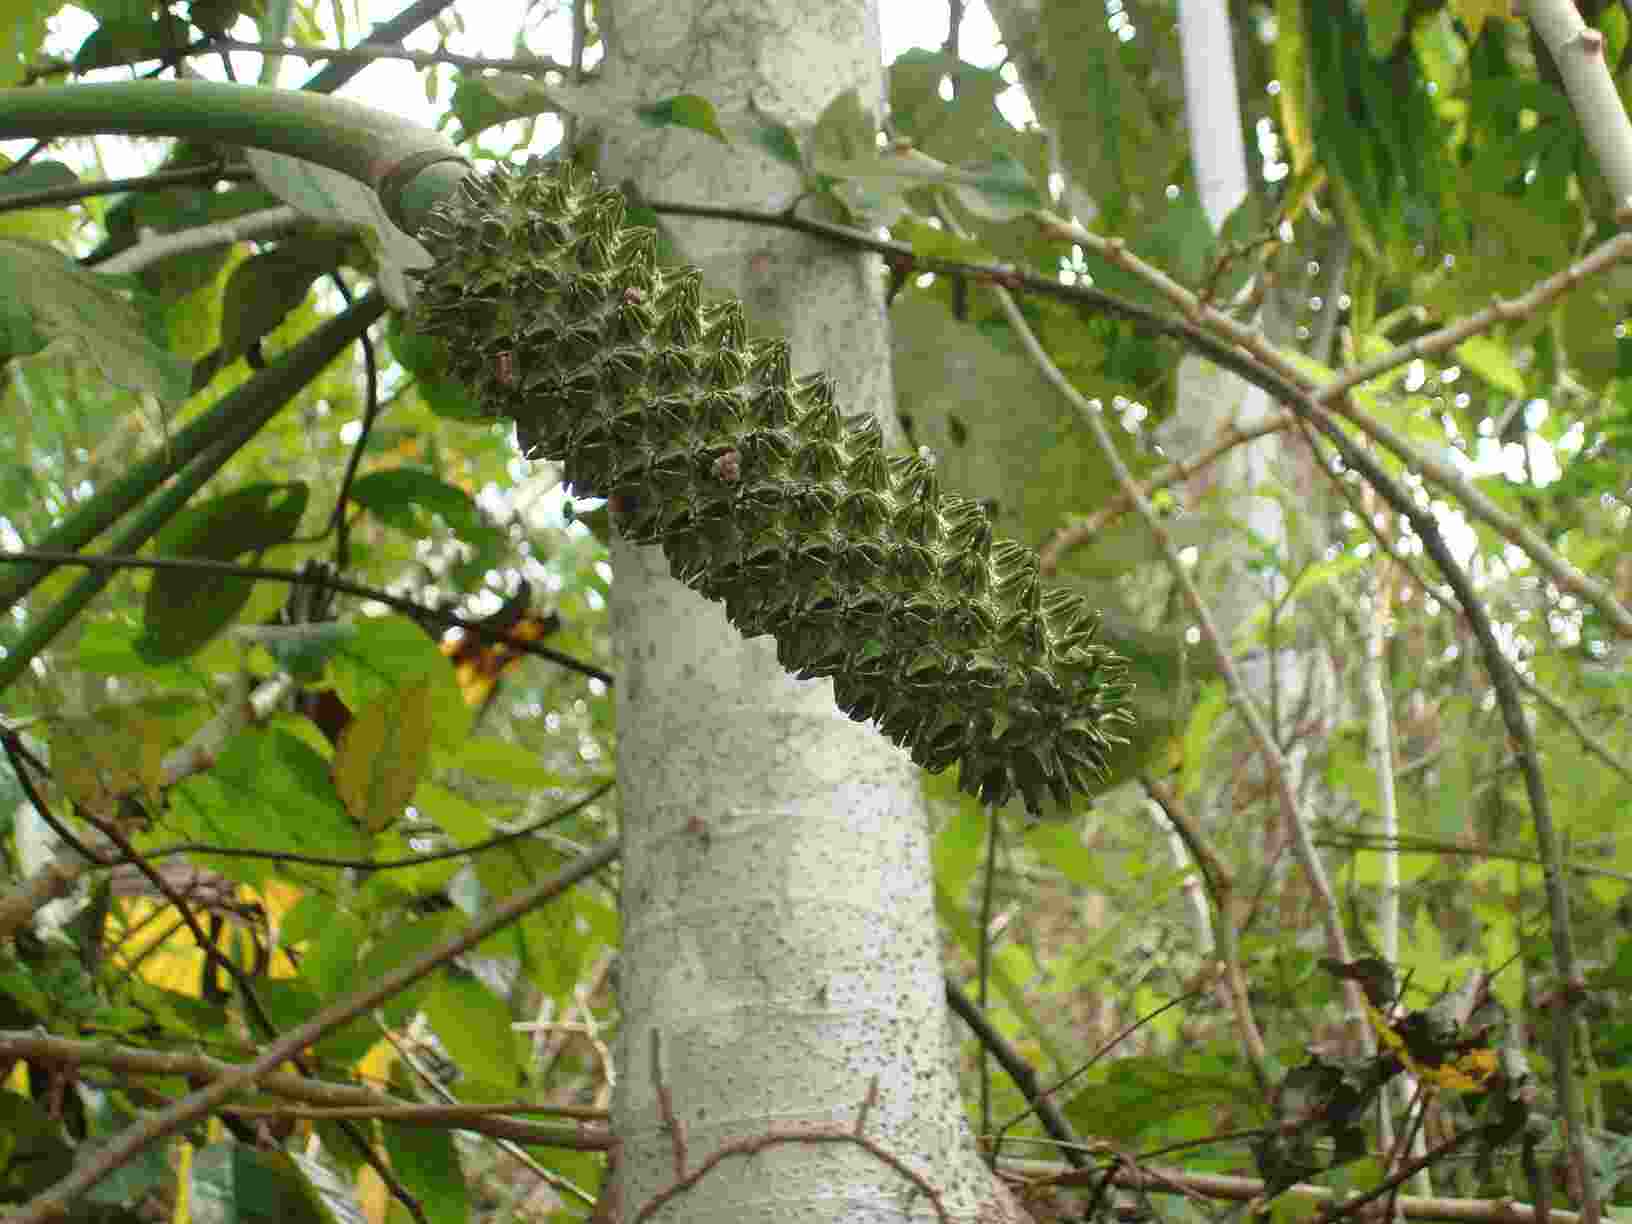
pixel 761 493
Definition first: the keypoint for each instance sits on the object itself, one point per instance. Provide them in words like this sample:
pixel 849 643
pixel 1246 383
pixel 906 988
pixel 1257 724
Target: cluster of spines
pixel 762 494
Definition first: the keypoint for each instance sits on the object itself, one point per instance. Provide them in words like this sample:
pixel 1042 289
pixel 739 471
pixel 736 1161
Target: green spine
pixel 761 493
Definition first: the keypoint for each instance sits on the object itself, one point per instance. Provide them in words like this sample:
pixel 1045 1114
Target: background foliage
pixel 1413 161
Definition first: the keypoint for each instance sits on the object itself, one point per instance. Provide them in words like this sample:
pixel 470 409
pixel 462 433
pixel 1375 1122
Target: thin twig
pixel 392 30
pixel 369 52
pixel 155 248
pixel 1219 882
pixel 409 607
pixel 58 877
pixel 215 959
pixel 1165 1180
pixel 1337 943
pixel 411 860
pixel 315 1098
pixel 1021 1072
pixel 55 1203
pixel 1275 373
pixel 1119 503
pixel 50 196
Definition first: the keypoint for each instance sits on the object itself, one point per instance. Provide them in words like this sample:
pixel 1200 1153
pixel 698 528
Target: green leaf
pixel 184 609
pixel 1198 732
pixel 1474 13
pixel 269 790
pixel 124 41
pixel 301 650
pixel 932 243
pixel 997 189
pixel 45 296
pixel 22 35
pixel 382 754
pixel 465 822
pixel 33 1154
pixel 292 1001
pixel 1322 572
pixel 426 1160
pixel 259 294
pixel 473 1025
pixel 232 1183
pixel 684 110
pixel 1060 846
pixel 36 176
pixel 338 199
pixel 503 761
pixel 399 497
pixel 389 654
pixel 118 750
pixel 844 133
pixel 1493 362
pixel 403 942
pixel 1140 1093
pixel 959 847
pixel 328 963
pixel 483 101
pixel 507 870
pixel 772 136
pixel 426 358
pixel 1385 23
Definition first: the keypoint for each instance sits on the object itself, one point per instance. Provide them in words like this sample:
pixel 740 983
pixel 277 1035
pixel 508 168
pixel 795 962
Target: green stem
pixel 372 146
pixel 237 418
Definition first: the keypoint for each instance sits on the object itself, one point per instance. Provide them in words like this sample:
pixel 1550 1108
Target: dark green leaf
pixel 773 137
pixel 428 1164
pixel 231 1183
pixel 269 791
pixel 473 1025
pixel 684 110
pixel 36 176
pixel 33 1154
pixel 426 358
pixel 184 609
pixel 401 496
pixel 260 292
pixel 133 40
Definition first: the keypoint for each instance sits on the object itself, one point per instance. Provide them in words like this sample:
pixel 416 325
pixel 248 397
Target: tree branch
pixel 56 1202
pixel 374 49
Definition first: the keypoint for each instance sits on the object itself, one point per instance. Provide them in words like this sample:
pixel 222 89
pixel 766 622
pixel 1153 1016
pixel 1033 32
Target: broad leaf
pixel 186 608
pixel 45 296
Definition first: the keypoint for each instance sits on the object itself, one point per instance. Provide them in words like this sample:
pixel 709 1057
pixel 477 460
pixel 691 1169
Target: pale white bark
pixel 1579 51
pixel 1209 397
pixel 1211 105
pixel 152 248
pixel 779 935
pixel 1212 108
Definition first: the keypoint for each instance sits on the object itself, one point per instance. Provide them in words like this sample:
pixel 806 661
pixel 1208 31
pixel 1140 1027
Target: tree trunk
pixel 780 952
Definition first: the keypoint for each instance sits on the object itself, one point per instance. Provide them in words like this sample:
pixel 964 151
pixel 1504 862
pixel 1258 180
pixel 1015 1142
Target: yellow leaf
pixel 1474 14
pixel 118 751
pixel 382 754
